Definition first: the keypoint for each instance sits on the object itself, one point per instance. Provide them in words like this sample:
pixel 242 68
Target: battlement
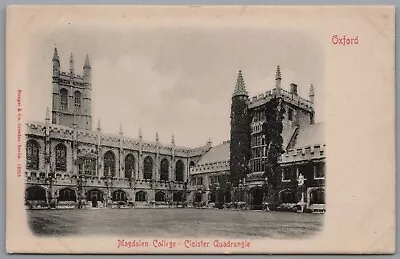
pixel 210 167
pixel 94 137
pixel 287 96
pixel 303 154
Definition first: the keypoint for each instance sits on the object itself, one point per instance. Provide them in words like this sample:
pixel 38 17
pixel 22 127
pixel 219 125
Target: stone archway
pixel 257 198
pixel 95 196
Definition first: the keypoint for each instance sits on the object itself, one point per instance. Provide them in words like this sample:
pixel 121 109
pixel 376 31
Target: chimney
pixel 293 88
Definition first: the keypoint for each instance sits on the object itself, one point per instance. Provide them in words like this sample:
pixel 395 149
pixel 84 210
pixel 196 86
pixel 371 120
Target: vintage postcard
pixel 200 129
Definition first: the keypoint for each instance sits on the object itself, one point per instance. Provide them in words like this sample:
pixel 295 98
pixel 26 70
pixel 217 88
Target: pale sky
pixel 173 80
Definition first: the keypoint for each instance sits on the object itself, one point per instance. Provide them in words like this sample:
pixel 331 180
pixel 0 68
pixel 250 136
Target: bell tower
pixel 71 102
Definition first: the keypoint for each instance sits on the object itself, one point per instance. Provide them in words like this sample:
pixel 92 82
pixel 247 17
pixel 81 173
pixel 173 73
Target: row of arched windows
pixel 148 166
pixel 64 100
pixel 32 160
pixel 32 156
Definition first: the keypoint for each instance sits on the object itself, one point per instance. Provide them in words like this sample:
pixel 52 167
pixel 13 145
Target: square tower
pixel 71 102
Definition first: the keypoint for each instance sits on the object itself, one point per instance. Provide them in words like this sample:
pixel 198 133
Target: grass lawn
pixel 174 223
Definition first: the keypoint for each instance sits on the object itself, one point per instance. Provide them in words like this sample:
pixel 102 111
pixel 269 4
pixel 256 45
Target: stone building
pixel 69 164
pixel 300 176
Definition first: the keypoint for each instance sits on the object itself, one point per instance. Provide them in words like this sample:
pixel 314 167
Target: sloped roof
pixel 216 154
pixel 310 135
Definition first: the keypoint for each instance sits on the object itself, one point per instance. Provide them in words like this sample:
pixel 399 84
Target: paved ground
pixel 174 223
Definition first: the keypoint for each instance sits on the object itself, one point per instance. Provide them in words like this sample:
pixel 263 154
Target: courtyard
pixel 174 223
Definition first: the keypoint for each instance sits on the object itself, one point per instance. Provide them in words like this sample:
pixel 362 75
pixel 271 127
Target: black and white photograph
pixel 159 132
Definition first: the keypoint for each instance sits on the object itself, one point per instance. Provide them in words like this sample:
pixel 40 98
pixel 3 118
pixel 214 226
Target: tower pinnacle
pixel 278 77
pixel 55 55
pixel 71 64
pixel 98 125
pixel 87 63
pixel 240 88
pixel 173 139
pixel 311 94
pixel 47 115
pixel 120 129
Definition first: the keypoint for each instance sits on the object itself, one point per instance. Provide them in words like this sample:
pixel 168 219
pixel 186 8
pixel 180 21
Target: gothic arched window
pixel 32 155
pixel 164 170
pixel 63 99
pixel 140 196
pixel 129 166
pixel 148 168
pixel 109 164
pixel 77 100
pixel 179 171
pixel 61 157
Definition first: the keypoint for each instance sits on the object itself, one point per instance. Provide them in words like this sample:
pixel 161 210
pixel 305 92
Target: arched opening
pixel 164 170
pixel 179 171
pixel 140 196
pixel 67 194
pixel 35 193
pixel 109 164
pixel 211 197
pixel 63 99
pixel 94 196
pixel 197 197
pixel 148 168
pixel 192 164
pixel 129 166
pixel 119 196
pixel 32 154
pixel 317 196
pixel 287 196
pixel 61 157
pixel 257 198
pixel 77 101
pixel 178 197
pixel 160 196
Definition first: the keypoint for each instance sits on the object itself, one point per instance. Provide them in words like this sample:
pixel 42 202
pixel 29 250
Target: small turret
pixel 71 65
pixel 47 115
pixel 173 139
pixel 209 143
pixel 157 138
pixel 98 125
pixel 120 130
pixel 140 134
pixel 240 88
pixel 87 71
pixel 56 63
pixel 311 94
pixel 278 78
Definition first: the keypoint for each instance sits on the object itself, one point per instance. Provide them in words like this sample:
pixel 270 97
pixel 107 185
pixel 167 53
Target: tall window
pixel 119 196
pixel 140 196
pixel 67 194
pixel 61 157
pixel 63 99
pixel 319 172
pixel 77 98
pixel 148 168
pixel 109 164
pixel 129 166
pixel 286 174
pixel 160 196
pixel 290 114
pixel 32 155
pixel 179 170
pixel 164 170
pixel 87 166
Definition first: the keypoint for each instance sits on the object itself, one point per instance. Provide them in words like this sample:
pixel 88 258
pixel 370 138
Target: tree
pixel 272 129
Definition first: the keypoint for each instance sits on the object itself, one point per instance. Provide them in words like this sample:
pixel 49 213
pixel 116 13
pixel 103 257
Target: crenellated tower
pixel 71 94
pixel 240 132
